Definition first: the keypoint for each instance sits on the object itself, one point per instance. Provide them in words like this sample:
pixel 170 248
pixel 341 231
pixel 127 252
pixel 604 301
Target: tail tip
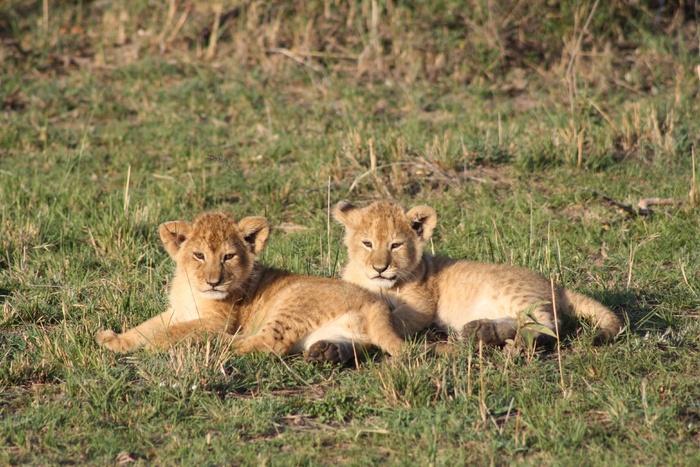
pixel 605 336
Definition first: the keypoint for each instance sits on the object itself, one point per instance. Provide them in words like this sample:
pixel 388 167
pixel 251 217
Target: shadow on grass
pixel 4 293
pixel 643 310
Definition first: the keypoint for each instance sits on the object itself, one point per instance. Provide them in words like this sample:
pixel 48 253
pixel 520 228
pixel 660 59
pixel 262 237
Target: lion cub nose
pixel 380 268
pixel 214 283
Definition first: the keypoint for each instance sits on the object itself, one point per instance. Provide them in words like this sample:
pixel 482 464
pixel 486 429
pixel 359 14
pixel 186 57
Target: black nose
pixel 380 269
pixel 214 283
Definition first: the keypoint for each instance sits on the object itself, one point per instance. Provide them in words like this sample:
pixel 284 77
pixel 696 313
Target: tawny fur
pixel 220 288
pixel 489 301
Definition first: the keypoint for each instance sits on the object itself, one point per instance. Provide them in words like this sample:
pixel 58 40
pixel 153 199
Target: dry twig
pixel 642 208
pixel 295 57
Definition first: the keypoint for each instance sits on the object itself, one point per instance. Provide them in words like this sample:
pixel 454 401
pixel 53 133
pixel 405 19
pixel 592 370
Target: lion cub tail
pixel 602 317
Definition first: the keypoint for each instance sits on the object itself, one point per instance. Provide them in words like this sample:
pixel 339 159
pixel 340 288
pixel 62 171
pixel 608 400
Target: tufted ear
pixel 423 220
pixel 346 213
pixel 254 231
pixel 172 234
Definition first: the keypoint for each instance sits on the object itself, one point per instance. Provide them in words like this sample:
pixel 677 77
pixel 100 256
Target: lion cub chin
pixel 492 302
pixel 220 288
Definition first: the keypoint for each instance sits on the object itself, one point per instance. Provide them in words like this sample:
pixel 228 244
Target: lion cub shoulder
pixel 219 287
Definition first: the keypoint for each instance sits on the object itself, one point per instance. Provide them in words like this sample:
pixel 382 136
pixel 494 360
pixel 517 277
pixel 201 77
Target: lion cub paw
pixel 325 351
pixel 483 330
pixel 112 341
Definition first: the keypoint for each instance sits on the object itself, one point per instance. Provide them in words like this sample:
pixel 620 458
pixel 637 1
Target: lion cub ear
pixel 172 234
pixel 346 213
pixel 423 220
pixel 254 231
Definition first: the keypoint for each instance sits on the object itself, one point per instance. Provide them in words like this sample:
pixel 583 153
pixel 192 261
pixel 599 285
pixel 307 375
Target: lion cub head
pixel 385 242
pixel 215 254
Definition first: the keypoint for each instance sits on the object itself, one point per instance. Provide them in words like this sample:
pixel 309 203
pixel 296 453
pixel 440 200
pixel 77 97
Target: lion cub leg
pixel 194 330
pixel 261 342
pixel 137 337
pixel 333 351
pixel 411 319
pixel 348 336
pixel 159 332
pixel 322 344
pixel 337 341
pixel 276 335
pixel 381 330
pixel 491 332
pixel 495 332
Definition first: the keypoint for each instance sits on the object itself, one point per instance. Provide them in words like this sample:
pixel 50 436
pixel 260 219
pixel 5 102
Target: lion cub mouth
pixel 383 282
pixel 214 294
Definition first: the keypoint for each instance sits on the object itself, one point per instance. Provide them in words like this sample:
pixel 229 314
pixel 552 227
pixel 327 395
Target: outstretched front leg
pixel 137 337
pixel 196 330
pixel 159 332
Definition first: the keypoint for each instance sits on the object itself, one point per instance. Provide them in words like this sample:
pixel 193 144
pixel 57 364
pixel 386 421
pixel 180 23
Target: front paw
pixel 112 341
pixel 324 351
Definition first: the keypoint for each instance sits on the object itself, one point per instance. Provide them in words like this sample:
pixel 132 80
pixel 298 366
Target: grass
pixel 119 116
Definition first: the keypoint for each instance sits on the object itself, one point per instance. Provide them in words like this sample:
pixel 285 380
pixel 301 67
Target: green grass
pixel 113 120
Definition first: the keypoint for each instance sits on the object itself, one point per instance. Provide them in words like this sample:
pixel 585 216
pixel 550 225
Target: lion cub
pixel 488 301
pixel 220 288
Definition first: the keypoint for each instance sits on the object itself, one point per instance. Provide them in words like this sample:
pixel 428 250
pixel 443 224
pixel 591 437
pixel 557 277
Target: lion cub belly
pixel 341 329
pixel 471 291
pixel 455 309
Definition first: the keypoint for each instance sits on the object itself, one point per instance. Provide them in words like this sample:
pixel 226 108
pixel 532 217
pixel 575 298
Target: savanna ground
pixel 117 116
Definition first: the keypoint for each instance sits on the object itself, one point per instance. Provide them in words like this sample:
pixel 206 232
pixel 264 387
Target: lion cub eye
pixel 199 256
pixel 367 244
pixel 396 245
pixel 229 256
